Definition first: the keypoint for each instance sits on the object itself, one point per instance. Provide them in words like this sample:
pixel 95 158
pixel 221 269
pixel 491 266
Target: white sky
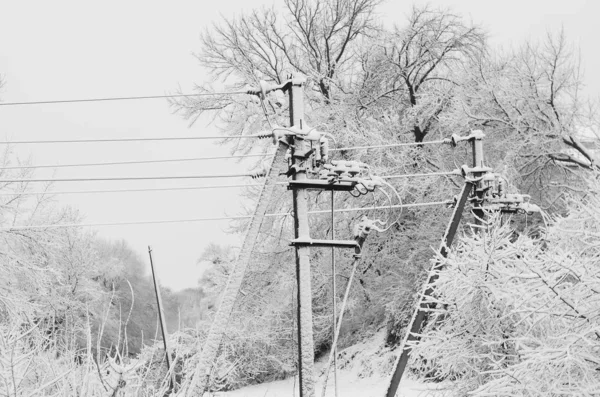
pixel 75 49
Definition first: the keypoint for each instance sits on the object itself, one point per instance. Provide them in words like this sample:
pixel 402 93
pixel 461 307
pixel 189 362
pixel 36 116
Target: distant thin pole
pixel 161 317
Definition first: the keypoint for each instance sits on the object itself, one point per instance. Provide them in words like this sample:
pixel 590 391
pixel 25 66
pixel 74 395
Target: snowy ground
pixel 363 372
pixel 366 387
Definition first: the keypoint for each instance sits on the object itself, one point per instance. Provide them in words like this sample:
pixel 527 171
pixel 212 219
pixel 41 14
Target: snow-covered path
pixel 369 387
pixel 363 373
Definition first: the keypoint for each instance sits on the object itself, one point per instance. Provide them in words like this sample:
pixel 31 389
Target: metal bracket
pixel 512 209
pixel 320 184
pixel 455 138
pixel 324 243
pixel 466 170
pixel 264 88
pixel 511 203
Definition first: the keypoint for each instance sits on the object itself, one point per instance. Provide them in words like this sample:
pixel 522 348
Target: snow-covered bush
pixel 520 316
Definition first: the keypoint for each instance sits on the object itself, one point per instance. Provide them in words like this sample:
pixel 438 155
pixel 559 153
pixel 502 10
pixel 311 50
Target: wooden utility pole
pixel 420 314
pixel 334 304
pixel 300 150
pixel 161 316
pixel 213 340
pixel 477 148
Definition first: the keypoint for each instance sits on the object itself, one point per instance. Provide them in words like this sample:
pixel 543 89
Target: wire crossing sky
pixel 231 157
pixel 213 219
pixel 131 98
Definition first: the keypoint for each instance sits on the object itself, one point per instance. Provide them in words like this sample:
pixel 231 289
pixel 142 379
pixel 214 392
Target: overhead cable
pixel 159 189
pixel 222 218
pixel 128 178
pixel 99 179
pixel 412 205
pixel 455 172
pixel 13 167
pixel 122 98
pixel 388 145
pixel 206 137
pixel 161 177
pixel 99 140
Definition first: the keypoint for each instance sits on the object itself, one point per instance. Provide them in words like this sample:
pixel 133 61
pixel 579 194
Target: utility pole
pixel 478 171
pixel 333 293
pixel 420 314
pixel 208 355
pixel 161 316
pixel 300 150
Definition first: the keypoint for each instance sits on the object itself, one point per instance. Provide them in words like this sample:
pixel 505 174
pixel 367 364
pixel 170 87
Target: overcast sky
pixel 82 49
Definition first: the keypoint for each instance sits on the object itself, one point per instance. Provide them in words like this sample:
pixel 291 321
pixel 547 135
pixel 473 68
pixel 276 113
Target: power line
pixel 388 145
pixel 190 220
pixel 68 225
pixel 159 178
pixel 50 193
pixel 120 98
pixel 129 178
pixel 382 207
pixel 12 167
pixel 169 138
pixel 455 172
pixel 189 138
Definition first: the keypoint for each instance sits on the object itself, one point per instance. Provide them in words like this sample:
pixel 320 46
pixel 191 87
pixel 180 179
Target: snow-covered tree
pixel 517 315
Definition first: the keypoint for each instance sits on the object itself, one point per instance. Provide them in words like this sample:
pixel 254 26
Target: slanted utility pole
pixel 213 340
pixel 420 314
pixel 161 316
pixel 300 151
pixel 486 194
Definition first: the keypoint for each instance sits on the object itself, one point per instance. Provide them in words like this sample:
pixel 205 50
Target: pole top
pixel 477 134
pixel 297 79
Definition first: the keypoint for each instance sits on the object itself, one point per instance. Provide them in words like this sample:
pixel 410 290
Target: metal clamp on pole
pixel 318 140
pixel 474 174
pixel 455 138
pixel 264 88
pixel 363 229
pixel 496 198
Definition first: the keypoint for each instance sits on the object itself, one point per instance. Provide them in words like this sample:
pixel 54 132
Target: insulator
pixel 276 135
pixel 354 170
pixel 317 160
pixel 256 175
pixel 262 91
pixel 364 227
pixel 454 138
pixel 324 149
pixel 324 174
pixel 339 170
pixel 359 229
pixel 501 187
pixel 259 173
pixel 264 135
